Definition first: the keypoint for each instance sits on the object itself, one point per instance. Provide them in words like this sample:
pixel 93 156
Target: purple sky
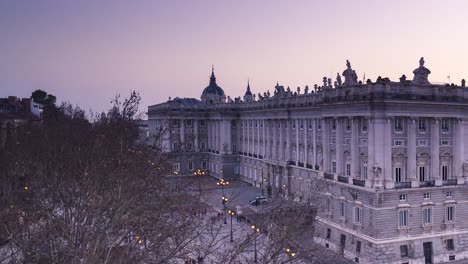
pixel 85 51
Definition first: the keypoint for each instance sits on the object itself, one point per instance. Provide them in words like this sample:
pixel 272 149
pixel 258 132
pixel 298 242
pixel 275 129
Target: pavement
pixel 239 195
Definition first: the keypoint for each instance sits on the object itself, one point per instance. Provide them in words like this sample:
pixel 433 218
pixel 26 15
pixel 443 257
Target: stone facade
pixel 393 154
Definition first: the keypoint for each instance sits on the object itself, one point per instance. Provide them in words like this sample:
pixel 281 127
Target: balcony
pixel 343 179
pixel 291 163
pixel 328 176
pixel 260 156
pixel 300 164
pixel 449 182
pixel 427 183
pixel 358 182
pixel 309 166
pixel 255 155
pixel 402 185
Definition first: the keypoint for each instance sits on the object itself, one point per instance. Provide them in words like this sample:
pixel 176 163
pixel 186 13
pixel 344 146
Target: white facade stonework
pixel 392 152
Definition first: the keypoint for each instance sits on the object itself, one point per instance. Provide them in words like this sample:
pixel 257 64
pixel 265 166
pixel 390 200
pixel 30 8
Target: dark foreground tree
pixel 75 191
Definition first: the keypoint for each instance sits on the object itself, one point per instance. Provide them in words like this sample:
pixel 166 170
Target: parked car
pixel 258 200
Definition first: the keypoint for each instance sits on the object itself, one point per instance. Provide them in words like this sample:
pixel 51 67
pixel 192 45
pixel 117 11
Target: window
pixel 403 197
pixel 310 124
pixel 188 122
pixel 357 215
pixel 333 124
pixel 404 251
pixel 333 166
pixel 175 122
pixel 427 195
pixel 174 146
pixel 449 212
pixel 204 165
pixel 444 125
pixel 256 124
pixel 397 174
pixel 364 126
pixel 190 165
pixel 422 173
pixel 348 125
pixel 293 124
pixel 342 209
pixel 444 142
pixel 333 140
pixel 398 142
pixel 398 125
pixel 328 233
pixel 422 125
pixel 176 166
pixel 358 247
pixel 422 142
pixel 234 148
pixel 444 172
pixel 403 218
pixel 301 122
pixel 348 169
pixel 261 123
pixel 364 171
pixel 203 146
pixel 319 124
pixel 449 244
pixel 189 146
pixel 348 141
pixel 449 194
pixel 427 216
pixel 202 123
pixel 364 142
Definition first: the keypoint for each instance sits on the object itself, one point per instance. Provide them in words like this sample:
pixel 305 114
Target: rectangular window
pixel 364 126
pixel 364 171
pixel 403 218
pixel 450 244
pixel 333 166
pixel 204 165
pixel 398 143
pixel 427 216
pixel 364 142
pixel 397 174
pixel 404 251
pixel 348 125
pixel 444 142
pixel 189 146
pixel 333 140
pixel 190 165
pixel 444 125
pixel 174 146
pixel 203 146
pixel 202 123
pixel 358 247
pixel 444 172
pixel 301 122
pixel 427 196
pixel 348 169
pixel 342 209
pixel 422 174
pixel 328 233
pixel 358 215
pixel 422 142
pixel 188 122
pixel 319 124
pixel 333 124
pixel 348 141
pixel 450 210
pixel 234 148
pixel 422 125
pixel 176 166
pixel 449 194
pixel 398 125
pixel 403 197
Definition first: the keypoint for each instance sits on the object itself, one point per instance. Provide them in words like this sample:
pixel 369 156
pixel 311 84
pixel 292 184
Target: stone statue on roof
pixel 338 79
pixel 421 74
pixel 349 75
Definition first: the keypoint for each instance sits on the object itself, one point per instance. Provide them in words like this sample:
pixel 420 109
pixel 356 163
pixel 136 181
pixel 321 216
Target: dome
pixel 213 88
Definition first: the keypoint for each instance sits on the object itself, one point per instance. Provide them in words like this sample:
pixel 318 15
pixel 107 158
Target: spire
pixel 248 92
pixel 212 78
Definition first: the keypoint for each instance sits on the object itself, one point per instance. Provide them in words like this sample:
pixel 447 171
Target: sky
pixel 85 52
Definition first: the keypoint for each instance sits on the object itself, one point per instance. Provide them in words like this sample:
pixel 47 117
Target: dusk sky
pixel 85 52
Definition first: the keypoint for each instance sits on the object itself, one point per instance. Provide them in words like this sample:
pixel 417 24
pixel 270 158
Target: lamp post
pixel 291 251
pixel 199 173
pixel 231 213
pixel 224 201
pixel 255 230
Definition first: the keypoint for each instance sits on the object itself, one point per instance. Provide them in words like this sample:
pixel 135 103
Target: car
pixel 258 200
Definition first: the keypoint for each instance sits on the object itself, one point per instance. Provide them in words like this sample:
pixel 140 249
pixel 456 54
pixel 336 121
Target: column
pixel 243 136
pixel 379 150
pixel 370 152
pixel 182 132
pixel 314 142
pixel 195 132
pixel 248 136
pixel 458 148
pixel 253 138
pixel 435 153
pixel 339 147
pixel 306 149
pixel 274 148
pixel 281 140
pixel 288 140
pixel 227 137
pixel 258 137
pixel 297 141
pixel 355 149
pixel 387 167
pixel 264 139
pixel 326 145
pixel 411 162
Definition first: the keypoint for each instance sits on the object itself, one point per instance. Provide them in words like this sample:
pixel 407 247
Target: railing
pixel 358 182
pixel 328 176
pixel 343 179
pixel 300 164
pixel 260 156
pixel 449 182
pixel 255 155
pixel 309 166
pixel 402 185
pixel 427 183
pixel 291 162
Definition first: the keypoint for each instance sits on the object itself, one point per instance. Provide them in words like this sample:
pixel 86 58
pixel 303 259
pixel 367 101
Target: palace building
pixel 394 156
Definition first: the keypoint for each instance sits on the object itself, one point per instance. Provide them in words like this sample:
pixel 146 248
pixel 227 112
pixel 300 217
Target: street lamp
pixel 223 202
pixel 291 251
pixel 199 173
pixel 255 230
pixel 222 183
pixel 231 213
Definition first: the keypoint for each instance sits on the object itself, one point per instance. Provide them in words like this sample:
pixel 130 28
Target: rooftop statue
pixel 421 74
pixel 338 79
pixel 349 75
